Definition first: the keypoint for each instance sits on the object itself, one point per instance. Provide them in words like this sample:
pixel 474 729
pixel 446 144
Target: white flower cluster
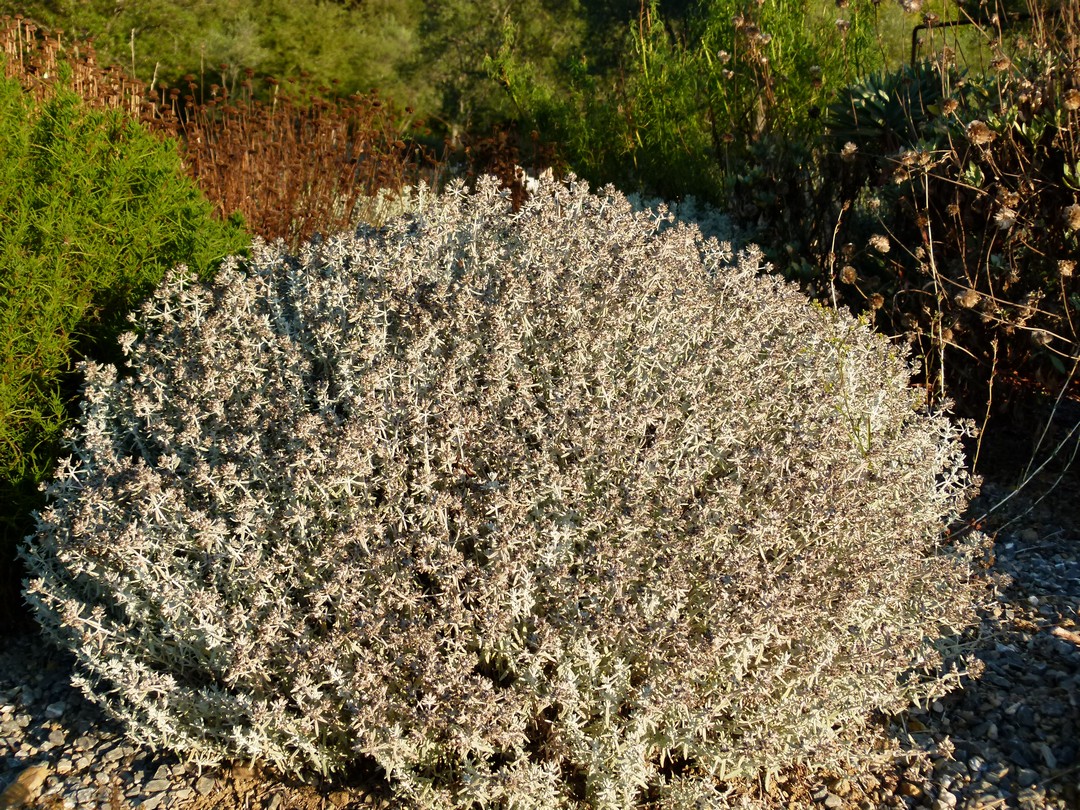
pixel 532 508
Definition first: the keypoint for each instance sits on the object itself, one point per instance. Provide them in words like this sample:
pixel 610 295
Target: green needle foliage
pixel 94 210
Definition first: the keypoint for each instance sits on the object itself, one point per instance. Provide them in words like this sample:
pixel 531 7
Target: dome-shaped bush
pixel 532 508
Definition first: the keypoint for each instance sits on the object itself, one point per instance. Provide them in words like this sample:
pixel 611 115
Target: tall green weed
pixel 685 104
pixel 96 209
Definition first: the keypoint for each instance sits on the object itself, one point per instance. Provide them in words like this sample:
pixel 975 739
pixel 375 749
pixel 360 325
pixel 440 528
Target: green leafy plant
pixel 533 508
pixel 684 105
pixel 95 210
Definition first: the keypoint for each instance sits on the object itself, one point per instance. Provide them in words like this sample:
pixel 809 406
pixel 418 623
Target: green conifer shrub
pixel 94 210
pixel 535 508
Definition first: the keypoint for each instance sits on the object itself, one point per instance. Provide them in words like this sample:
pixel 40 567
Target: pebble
pixel 945 800
pixel 1027 777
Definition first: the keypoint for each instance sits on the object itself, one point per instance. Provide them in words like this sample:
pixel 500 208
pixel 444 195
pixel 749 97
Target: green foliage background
pixel 95 209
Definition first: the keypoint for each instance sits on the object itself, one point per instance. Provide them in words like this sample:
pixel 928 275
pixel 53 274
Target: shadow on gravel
pixel 1011 737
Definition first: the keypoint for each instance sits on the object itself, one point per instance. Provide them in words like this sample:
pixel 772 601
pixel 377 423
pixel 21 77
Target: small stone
pixel 64 766
pixel 976 764
pixel 339 798
pixel 204 785
pixel 1027 777
pixel 54 711
pixel 183 794
pixel 23 720
pixel 152 802
pixel 57 737
pixel 24 791
pixel 946 799
pixel 832 801
pixel 84 743
pixel 163 772
pixel 1047 755
pixel 909 789
pixel 157 785
pixel 274 803
pixel 1029 535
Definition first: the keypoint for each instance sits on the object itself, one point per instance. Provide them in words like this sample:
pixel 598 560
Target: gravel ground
pixel 1009 739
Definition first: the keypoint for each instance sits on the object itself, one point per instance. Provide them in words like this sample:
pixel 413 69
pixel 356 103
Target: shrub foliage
pixel 95 210
pixel 532 508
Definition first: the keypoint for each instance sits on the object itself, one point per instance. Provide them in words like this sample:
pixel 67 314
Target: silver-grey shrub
pixel 531 508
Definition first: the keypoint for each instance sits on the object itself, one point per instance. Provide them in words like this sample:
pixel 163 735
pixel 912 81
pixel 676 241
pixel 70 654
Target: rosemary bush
pixel 531 508
pixel 94 209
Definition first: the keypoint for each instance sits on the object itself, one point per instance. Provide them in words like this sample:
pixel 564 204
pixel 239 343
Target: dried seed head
pixel 1001 63
pixel 979 133
pixel 876 301
pixel 967 299
pixel 1040 337
pixel 848 152
pixel 847 274
pixel 880 243
pixel 1066 267
pixel 1005 218
pixel 843 26
pixel 952 209
pixel 1071 99
pixel 1071 215
pixel 950 105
